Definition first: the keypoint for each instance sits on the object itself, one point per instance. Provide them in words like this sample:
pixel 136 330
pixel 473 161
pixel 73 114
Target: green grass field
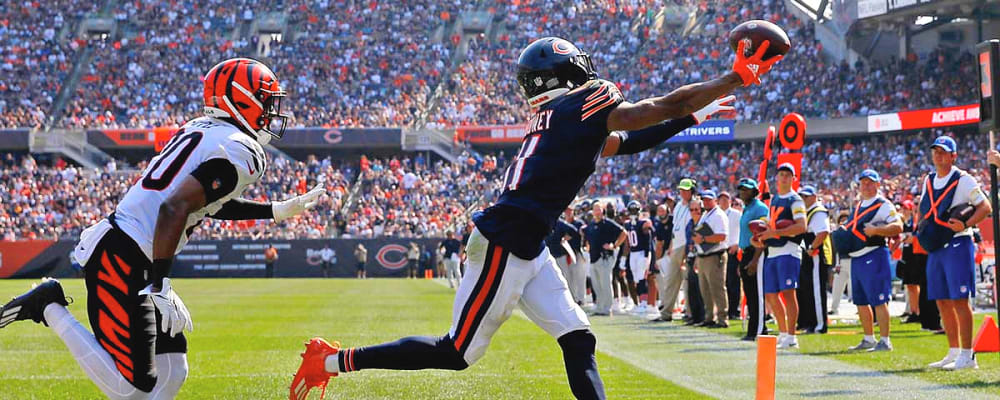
pixel 249 332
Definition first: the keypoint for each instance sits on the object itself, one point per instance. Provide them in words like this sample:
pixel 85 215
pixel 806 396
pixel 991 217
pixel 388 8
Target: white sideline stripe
pixel 724 367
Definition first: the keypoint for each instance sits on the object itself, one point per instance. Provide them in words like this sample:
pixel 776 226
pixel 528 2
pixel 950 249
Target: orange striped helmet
pixel 247 91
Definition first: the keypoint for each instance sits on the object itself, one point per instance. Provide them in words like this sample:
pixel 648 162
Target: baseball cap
pixel 807 190
pixel 747 183
pixel 907 204
pixel 945 143
pixel 725 194
pixel 686 184
pixel 787 167
pixel 708 194
pixel 869 174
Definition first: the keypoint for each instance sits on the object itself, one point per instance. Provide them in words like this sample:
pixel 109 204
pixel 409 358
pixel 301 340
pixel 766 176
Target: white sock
pixel 171 370
pixel 96 362
pixel 870 338
pixel 332 363
pixel 965 353
pixel 953 353
pixel 885 339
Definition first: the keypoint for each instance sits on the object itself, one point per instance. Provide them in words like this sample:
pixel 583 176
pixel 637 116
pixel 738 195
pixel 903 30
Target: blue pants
pixel 951 270
pixel 871 278
pixel 781 273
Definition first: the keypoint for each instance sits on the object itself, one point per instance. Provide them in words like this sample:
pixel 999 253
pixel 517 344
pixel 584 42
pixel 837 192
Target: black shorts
pixel 124 323
pixel 913 268
pixel 361 266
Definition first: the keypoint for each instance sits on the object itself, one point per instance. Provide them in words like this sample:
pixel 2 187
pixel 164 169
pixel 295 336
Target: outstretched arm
pixel 678 104
pixel 632 142
pixel 241 209
pixel 683 102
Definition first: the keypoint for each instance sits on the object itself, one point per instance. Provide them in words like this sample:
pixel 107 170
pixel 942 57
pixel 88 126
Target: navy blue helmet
pixel 549 67
pixel 634 207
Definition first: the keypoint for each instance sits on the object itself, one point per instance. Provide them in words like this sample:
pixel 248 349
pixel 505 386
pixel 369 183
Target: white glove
pixel 285 209
pixel 715 107
pixel 175 317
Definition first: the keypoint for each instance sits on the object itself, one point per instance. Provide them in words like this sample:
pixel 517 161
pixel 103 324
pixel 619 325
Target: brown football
pixel 962 212
pixel 757 226
pixel 756 32
pixel 783 223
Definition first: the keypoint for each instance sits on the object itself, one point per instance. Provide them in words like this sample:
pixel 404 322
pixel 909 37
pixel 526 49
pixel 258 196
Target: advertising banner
pixel 305 137
pixel 708 131
pixel 922 119
pixel 230 258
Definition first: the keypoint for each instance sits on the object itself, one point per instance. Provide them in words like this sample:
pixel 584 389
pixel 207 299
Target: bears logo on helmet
pixel 550 67
pixel 248 92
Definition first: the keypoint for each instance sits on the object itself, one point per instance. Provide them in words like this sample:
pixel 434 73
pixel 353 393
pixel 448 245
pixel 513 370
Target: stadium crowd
pixel 339 67
pixel 482 91
pixel 36 56
pixel 341 70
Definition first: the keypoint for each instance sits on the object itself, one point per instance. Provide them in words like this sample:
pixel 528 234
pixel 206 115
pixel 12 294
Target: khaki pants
pixel 712 282
pixel 670 281
pixel 601 281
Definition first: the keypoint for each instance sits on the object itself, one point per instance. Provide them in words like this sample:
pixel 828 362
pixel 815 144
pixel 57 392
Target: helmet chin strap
pixel 546 97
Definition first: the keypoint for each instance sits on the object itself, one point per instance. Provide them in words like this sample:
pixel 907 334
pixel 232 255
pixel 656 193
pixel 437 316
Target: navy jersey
pixel 639 239
pixel 554 240
pixel 562 143
pixel 451 247
pixel 600 233
pixel 563 229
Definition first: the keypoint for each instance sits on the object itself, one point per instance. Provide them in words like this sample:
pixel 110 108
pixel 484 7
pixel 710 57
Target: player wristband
pixel 161 269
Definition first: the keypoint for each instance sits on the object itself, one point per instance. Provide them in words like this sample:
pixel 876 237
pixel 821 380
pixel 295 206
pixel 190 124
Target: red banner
pixel 15 255
pixel 155 137
pixel 921 119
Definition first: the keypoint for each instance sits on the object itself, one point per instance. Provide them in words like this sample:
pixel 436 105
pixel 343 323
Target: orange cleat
pixel 312 373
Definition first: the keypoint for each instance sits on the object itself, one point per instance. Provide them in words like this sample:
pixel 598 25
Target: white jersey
pixel 199 140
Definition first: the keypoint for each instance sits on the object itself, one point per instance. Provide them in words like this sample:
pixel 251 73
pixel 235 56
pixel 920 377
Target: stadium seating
pixel 343 72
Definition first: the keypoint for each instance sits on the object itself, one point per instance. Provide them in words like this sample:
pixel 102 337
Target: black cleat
pixel 31 305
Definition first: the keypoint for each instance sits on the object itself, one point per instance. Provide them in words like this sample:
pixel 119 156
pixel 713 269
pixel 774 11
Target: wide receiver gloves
pixel 720 105
pixel 750 69
pixel 285 209
pixel 175 317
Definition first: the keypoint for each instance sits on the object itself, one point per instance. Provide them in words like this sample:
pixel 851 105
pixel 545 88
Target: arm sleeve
pixel 217 176
pixel 799 209
pixel 887 213
pixel 968 184
pixel 643 139
pixel 240 209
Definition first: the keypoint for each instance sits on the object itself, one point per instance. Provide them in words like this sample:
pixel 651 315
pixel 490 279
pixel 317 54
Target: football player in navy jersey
pixel 573 116
pixel 640 239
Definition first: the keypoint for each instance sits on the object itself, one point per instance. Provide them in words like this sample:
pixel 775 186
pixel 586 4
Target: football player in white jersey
pixel 137 349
